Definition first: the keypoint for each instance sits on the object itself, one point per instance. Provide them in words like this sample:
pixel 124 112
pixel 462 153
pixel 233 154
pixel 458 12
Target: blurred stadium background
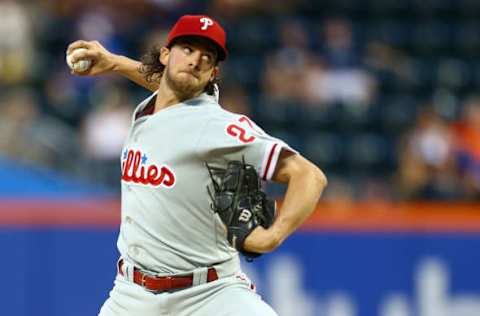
pixel 381 94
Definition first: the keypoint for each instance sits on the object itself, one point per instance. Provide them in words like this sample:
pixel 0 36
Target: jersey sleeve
pixel 236 138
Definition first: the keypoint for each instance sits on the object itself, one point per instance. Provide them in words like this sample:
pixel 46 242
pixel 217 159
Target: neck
pixel 166 96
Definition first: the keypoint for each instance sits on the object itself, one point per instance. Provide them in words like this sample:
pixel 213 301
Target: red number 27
pixel 240 133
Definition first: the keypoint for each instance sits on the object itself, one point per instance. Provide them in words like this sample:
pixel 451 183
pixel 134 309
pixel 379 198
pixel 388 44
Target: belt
pixel 165 283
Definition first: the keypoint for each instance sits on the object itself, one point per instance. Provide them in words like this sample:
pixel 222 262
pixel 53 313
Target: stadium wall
pixel 361 259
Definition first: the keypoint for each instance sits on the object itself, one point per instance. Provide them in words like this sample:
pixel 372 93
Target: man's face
pixel 190 65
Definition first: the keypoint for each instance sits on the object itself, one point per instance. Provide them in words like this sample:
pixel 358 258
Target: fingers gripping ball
pixel 240 203
pixel 80 65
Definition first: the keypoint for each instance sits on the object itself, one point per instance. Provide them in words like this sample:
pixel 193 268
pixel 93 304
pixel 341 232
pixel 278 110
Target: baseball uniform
pixel 167 225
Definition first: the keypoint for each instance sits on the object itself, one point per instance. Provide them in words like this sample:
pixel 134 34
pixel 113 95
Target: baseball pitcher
pixel 191 173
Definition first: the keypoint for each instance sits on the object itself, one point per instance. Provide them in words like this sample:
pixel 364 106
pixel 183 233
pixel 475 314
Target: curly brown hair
pixel 152 69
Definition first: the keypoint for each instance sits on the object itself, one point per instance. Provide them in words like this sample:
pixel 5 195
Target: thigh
pixel 128 299
pixel 236 302
pixel 232 297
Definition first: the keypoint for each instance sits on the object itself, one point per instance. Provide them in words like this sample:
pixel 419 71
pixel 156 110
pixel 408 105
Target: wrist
pixel 117 64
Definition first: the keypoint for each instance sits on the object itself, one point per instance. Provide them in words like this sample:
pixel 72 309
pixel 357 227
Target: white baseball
pixel 81 65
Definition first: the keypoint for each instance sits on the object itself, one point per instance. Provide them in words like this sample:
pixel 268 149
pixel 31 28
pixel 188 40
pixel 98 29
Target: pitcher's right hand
pixel 103 61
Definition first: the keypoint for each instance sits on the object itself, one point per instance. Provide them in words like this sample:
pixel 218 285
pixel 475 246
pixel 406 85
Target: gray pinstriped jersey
pixel 167 225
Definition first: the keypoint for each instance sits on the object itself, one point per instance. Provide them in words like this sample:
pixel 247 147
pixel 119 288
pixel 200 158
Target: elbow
pixel 313 177
pixel 320 179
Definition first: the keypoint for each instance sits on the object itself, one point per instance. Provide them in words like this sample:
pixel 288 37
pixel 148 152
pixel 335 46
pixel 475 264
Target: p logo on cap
pixel 206 23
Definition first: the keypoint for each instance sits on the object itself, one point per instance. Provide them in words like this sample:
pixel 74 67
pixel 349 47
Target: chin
pixel 186 89
pixel 184 85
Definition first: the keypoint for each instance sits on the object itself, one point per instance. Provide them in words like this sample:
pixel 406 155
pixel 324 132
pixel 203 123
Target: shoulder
pixel 219 114
pixel 224 119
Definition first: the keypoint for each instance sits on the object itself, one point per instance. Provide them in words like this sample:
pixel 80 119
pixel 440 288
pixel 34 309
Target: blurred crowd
pixel 379 94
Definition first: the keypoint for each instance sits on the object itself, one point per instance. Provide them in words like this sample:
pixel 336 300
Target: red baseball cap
pixel 200 25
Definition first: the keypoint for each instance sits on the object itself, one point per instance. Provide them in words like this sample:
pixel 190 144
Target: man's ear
pixel 164 53
pixel 215 72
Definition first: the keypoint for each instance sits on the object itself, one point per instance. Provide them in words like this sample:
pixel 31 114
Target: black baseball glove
pixel 238 199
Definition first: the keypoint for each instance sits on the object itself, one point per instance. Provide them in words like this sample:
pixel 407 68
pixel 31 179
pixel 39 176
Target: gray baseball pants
pixel 227 296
